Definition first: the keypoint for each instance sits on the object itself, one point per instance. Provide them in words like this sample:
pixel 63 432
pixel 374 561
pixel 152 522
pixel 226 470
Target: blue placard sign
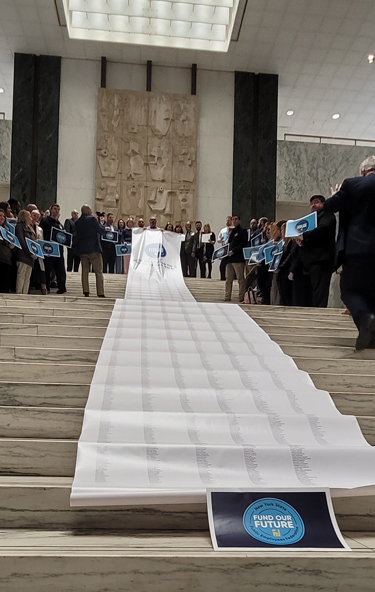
pixel 123 249
pixel 9 237
pixel 301 225
pixel 262 249
pixel 274 265
pixel 49 249
pixel 220 253
pixel 251 254
pixel 110 236
pixel 299 519
pixel 61 237
pixel 34 248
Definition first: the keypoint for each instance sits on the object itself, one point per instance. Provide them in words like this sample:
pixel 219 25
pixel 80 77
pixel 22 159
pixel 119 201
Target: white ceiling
pixel 318 48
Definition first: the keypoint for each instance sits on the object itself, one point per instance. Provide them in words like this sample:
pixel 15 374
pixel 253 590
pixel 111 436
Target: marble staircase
pixel 49 346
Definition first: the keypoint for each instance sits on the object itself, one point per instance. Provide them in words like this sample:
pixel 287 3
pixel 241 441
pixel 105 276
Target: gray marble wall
pixel 305 169
pixel 5 144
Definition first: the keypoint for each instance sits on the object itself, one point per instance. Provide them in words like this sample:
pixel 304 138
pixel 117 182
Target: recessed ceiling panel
pixel 189 24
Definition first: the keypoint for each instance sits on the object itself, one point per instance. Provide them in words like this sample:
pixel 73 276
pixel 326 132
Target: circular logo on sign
pixel 110 235
pixel 273 521
pixel 60 236
pixel 124 249
pixel 302 226
pixel 155 251
pixel 34 248
pixel 220 252
pixel 47 249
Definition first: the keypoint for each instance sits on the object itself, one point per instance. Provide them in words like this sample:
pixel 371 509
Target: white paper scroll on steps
pixel 190 395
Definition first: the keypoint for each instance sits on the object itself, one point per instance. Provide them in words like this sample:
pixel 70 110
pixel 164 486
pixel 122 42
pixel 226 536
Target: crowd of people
pixel 303 276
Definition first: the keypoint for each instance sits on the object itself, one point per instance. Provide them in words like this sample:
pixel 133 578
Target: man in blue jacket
pixel 88 231
pixel 355 202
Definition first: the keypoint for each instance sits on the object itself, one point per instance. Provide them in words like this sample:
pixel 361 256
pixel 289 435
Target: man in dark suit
pixel 88 231
pixel 317 253
pixel 109 248
pixel 73 259
pixel 55 264
pixel 355 202
pixel 235 261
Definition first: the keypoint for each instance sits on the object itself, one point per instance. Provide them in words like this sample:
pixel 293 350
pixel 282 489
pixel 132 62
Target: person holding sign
pixel 54 263
pixel 318 251
pixel 25 262
pixel 235 268
pixel 355 203
pixel 88 248
pixel 5 258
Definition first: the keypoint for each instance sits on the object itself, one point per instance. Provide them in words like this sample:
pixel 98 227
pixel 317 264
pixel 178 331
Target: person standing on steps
pixel 235 267
pixel 88 248
pixel 55 264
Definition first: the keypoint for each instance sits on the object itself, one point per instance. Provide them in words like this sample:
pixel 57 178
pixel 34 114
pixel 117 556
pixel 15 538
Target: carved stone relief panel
pixel 146 159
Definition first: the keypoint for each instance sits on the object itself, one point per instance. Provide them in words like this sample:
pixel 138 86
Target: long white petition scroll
pixel 190 395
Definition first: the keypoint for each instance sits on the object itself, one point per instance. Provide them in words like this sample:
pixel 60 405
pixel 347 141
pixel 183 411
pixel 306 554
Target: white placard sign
pixel 188 395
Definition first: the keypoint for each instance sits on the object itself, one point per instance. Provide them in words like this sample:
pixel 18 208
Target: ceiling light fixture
pixel 336 116
pixel 1 90
pixel 370 58
pixel 194 24
pixel 290 112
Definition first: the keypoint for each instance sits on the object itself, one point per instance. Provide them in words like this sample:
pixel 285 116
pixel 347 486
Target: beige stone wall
pixel 146 159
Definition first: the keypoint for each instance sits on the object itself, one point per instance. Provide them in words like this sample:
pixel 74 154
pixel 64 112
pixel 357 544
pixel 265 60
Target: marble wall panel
pixel 5 149
pixel 305 169
pixel 146 155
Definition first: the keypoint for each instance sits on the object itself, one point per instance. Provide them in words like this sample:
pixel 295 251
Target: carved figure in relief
pixel 135 201
pixel 116 112
pixel 158 160
pixel 161 202
pixel 136 161
pixel 137 113
pixel 103 112
pixel 186 160
pixel 112 195
pixel 185 204
pixel 160 114
pixel 184 117
pixel 108 156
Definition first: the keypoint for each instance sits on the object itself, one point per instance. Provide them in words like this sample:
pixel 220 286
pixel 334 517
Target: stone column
pixel 254 146
pixel 35 130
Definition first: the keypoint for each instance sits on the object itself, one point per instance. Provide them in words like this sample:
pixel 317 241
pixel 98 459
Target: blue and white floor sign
pixel 34 248
pixel 49 249
pixel 302 519
pixel 123 249
pixel 305 224
pixel 220 253
pixel 110 236
pixel 9 237
pixel 61 237
pixel 251 254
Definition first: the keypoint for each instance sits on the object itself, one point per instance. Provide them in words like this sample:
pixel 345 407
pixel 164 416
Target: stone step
pixel 55 330
pixel 285 336
pixel 49 342
pixel 41 319
pixel 352 366
pixel 43 394
pixel 325 352
pixel 43 502
pixel 38 456
pixel 303 320
pixel 294 328
pixel 56 311
pixel 54 373
pixel 114 562
pixel 44 354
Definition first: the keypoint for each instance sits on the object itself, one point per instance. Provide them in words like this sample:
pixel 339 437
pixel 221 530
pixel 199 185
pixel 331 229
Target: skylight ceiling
pixel 190 24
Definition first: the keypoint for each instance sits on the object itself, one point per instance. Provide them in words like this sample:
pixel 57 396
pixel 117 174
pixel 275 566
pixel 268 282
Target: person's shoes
pixel 43 291
pixel 227 299
pixel 101 296
pixel 87 294
pixel 53 285
pixel 366 334
pixel 346 312
pixel 61 292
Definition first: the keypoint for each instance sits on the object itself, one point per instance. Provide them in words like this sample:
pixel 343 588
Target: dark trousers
pixel 109 258
pixel 73 261
pixel 358 287
pixel 199 254
pixel 223 264
pixel 320 279
pixel 188 264
pixel 285 290
pixel 301 290
pixel 57 265
pixel 5 270
pixel 264 283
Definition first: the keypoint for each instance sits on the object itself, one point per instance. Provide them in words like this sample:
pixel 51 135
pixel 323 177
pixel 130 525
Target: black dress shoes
pixel 366 334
